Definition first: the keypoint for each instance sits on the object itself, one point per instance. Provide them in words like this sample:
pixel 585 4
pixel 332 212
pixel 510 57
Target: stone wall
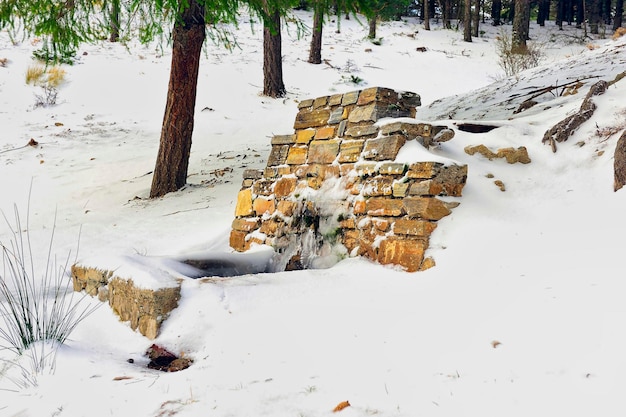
pixel 144 309
pixel 347 183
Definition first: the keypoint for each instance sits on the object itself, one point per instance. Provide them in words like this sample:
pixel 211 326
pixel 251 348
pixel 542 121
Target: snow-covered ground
pixel 524 313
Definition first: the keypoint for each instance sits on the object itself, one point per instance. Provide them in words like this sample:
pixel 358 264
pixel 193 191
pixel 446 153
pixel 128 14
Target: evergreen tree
pixel 315 52
pixel 273 85
pixel 496 11
pixel 520 27
pixel 65 24
pixel 619 11
pixel 467 21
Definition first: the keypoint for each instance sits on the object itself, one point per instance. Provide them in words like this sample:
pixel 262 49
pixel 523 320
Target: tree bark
pixel 560 13
pixel 496 11
pixel 580 14
pixel 273 85
pixel 467 21
pixel 170 172
pixel 606 12
pixel 519 35
pixel 593 15
pixel 619 11
pixel 446 6
pixel 543 12
pixel 476 19
pixel 426 14
pixel 315 53
pixel 372 26
pixel 115 21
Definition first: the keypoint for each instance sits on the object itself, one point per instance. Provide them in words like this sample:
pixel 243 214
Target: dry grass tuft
pixel 56 76
pixel 35 73
pixel 619 32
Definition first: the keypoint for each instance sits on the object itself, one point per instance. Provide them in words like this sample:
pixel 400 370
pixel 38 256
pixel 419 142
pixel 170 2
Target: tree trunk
pixel 568 10
pixel 560 13
pixel 606 12
pixel 315 53
pixel 476 19
pixel 592 9
pixel 115 21
pixel 496 11
pixel 372 26
pixel 518 37
pixel 273 85
pixel 170 172
pixel 467 21
pixel 543 12
pixel 527 23
pixel 446 6
pixel 580 14
pixel 426 15
pixel 338 13
pixel 619 11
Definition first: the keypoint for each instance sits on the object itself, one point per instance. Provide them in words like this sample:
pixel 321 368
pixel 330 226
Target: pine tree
pixel 520 27
pixel 65 24
pixel 273 84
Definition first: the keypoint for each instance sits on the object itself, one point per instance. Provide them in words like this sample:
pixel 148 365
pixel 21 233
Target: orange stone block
pixel 269 227
pixel 262 206
pixel 323 151
pixel 359 207
pixel 408 253
pixel 305 136
pixel 311 118
pixel 285 186
pixel 428 208
pixel 238 240
pixel 350 239
pixel 254 240
pixel 244 203
pixel 414 227
pixel 424 170
pixel 382 225
pixel 297 155
pixel 380 206
pixel 427 263
pixel 286 207
pixel 245 224
pixel 325 133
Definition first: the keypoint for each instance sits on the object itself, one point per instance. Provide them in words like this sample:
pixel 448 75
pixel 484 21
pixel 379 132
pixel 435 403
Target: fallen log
pixel 566 127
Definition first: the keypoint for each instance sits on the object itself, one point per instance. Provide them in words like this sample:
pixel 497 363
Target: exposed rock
pixel 511 155
pixel 163 360
pixel 619 163
pixel 566 127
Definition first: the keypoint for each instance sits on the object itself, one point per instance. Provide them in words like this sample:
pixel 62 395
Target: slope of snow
pixel 523 314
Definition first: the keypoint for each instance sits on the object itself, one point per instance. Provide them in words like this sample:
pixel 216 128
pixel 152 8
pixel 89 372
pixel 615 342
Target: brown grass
pixel 619 32
pixel 34 74
pixel 56 76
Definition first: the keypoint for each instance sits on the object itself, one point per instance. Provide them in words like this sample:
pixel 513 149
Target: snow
pixel 533 271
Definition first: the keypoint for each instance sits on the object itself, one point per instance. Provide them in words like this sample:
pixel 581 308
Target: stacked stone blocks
pixel 385 209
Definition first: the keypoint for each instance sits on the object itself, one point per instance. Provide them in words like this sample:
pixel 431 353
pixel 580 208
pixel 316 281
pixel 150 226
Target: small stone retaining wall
pixel 340 185
pixel 144 309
